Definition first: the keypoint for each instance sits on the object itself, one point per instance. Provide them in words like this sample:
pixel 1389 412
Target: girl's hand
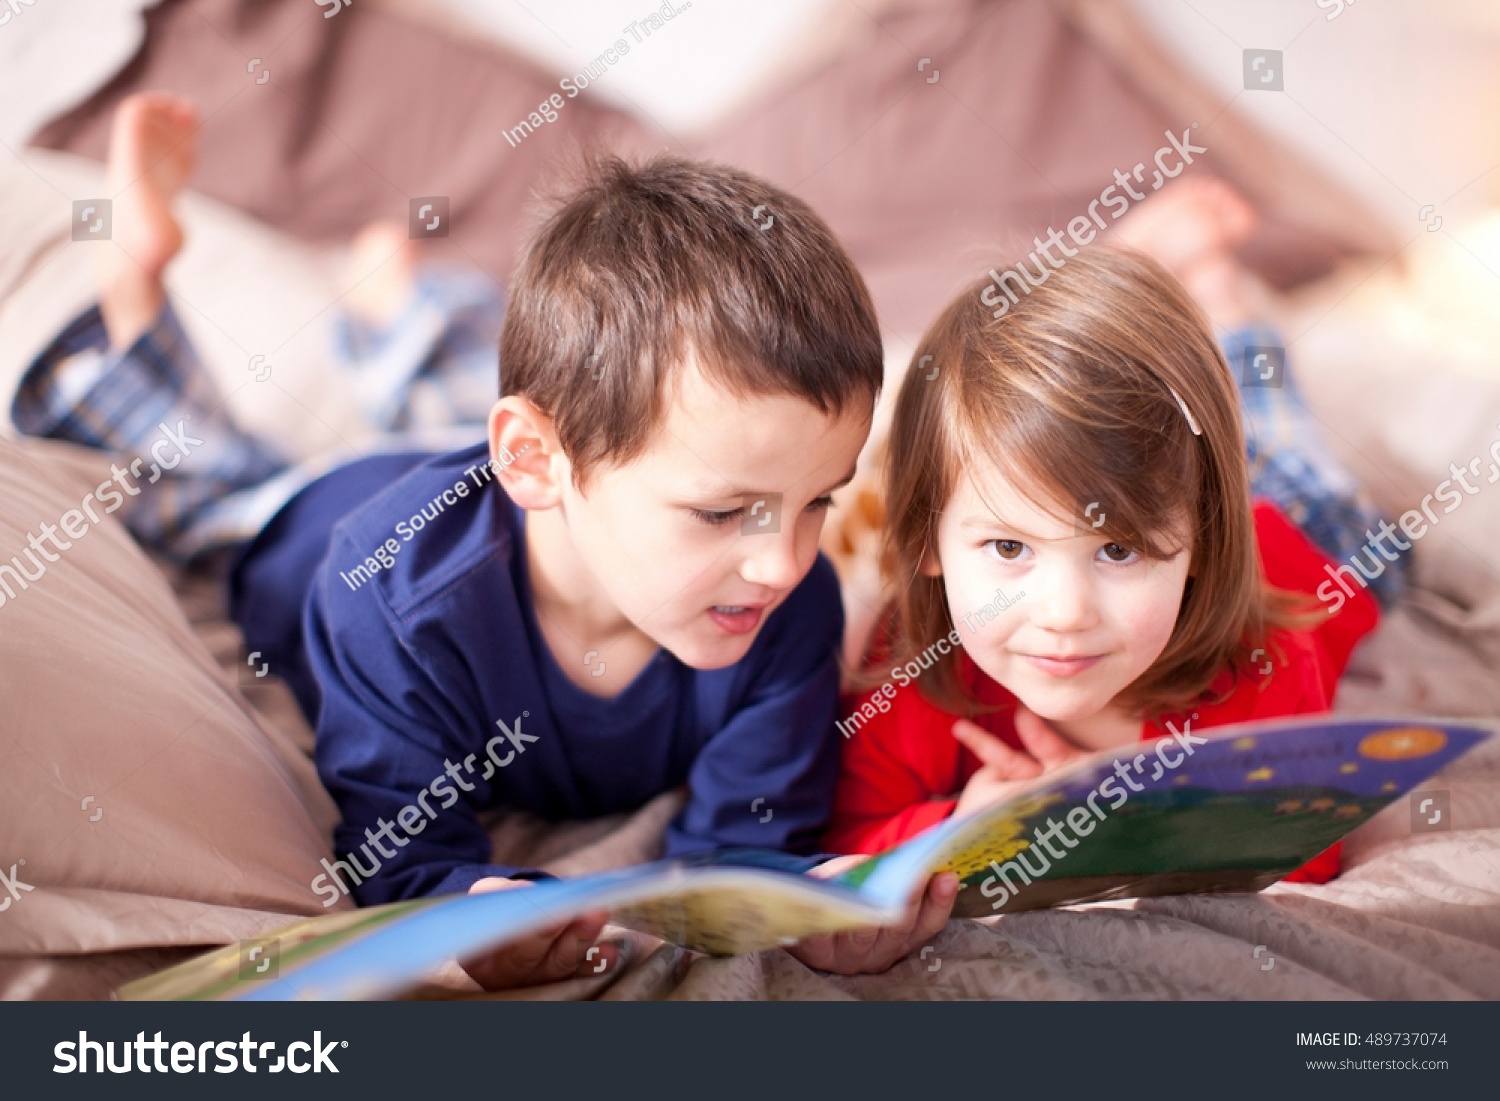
pixel 870 951
pixel 546 956
pixel 1003 769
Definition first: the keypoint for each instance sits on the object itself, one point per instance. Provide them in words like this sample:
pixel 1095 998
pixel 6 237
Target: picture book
pixel 1234 809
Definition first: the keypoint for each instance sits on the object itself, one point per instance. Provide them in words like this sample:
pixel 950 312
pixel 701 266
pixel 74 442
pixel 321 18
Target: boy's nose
pixel 771 560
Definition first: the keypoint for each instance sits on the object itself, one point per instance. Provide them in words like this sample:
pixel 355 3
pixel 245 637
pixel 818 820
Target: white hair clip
pixel 1183 406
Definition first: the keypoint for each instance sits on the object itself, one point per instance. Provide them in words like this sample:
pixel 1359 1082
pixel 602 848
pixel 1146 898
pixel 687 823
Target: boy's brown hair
pixel 1070 394
pixel 639 267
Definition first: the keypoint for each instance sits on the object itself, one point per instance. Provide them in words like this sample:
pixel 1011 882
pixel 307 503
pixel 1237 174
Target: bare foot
pixel 382 272
pixel 1193 228
pixel 152 145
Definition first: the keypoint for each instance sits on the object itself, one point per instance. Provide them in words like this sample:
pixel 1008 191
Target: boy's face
pixel 697 540
pixel 1093 617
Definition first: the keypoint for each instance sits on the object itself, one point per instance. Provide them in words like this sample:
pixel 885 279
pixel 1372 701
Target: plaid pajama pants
pixel 427 381
pixel 1291 465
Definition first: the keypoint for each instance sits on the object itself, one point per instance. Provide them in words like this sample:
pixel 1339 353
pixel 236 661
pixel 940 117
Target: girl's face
pixel 1087 616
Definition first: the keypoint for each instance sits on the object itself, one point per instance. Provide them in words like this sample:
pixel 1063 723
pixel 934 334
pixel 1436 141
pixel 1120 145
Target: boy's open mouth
pixel 736 619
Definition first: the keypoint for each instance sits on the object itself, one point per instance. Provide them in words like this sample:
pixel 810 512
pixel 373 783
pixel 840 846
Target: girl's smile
pixel 1062 665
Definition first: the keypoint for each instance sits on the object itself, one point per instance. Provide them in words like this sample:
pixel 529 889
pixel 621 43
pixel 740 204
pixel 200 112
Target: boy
pixel 619 594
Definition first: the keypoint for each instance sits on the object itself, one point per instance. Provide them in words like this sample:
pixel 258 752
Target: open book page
pixel 1235 811
pixel 380 951
pixel 727 911
pixel 1232 812
pixel 222 972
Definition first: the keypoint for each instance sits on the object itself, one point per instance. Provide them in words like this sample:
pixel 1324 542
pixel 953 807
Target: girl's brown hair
pixel 1070 395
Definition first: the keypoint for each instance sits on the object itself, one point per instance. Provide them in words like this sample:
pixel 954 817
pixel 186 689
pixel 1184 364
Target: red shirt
pixel 903 768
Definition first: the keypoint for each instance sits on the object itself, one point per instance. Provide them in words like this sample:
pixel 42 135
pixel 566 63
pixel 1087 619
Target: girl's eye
pixel 1117 553
pixel 821 504
pixel 1007 549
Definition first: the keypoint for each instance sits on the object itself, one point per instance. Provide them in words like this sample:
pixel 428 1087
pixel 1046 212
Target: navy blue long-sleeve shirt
pixel 439 699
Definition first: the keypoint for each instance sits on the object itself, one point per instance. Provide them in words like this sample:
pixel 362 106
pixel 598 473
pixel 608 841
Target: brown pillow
pixel 146 802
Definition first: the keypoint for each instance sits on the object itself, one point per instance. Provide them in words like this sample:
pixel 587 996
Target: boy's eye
pixel 1117 553
pixel 1007 549
pixel 716 517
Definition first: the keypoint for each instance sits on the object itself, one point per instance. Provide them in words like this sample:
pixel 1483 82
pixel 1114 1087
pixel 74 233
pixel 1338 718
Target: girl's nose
pixel 1062 601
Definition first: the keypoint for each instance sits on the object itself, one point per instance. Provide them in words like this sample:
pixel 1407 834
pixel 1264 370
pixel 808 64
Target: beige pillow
pixel 145 801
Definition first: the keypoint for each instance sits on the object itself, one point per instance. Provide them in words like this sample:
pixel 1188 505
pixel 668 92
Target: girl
pixel 1069 500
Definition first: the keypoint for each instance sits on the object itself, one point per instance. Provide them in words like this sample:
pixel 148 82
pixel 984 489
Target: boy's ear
pixel 526 454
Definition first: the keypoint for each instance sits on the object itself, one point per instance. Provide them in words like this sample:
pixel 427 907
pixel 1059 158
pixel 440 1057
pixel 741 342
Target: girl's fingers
pixel 927 913
pixel 866 951
pixel 889 947
pixel 1006 763
pixel 1044 742
pixel 815 951
pixel 937 906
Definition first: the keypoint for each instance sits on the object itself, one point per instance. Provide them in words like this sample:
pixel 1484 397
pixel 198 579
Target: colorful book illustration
pixel 1234 810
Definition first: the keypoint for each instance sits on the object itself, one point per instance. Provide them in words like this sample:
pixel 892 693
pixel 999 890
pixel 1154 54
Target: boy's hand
pixel 869 951
pixel 545 956
pixel 1002 769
